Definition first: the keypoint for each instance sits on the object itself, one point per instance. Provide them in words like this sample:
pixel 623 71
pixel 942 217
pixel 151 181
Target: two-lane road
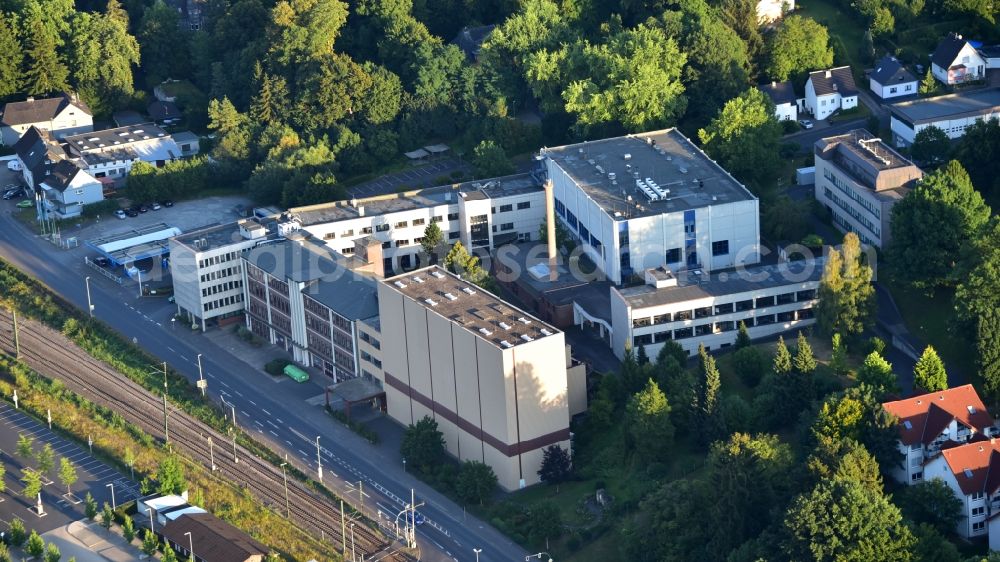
pixel 273 411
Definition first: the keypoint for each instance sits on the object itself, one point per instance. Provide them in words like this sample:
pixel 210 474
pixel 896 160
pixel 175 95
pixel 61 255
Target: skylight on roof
pixel 484 331
pixel 526 337
pixel 468 291
pixel 431 302
pixel 971 409
pixel 524 320
pixel 418 278
pixel 450 297
pixel 400 284
pixel 438 274
pixel 506 343
pixel 907 424
pixel 505 325
pixel 968 473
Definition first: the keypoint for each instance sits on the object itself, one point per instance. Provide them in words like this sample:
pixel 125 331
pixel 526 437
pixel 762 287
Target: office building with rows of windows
pixel 859 178
pixel 207 272
pixel 309 301
pixel 649 200
pixel 482 215
pixel 699 308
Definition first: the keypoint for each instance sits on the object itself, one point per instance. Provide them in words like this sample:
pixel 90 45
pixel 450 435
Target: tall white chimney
pixel 550 227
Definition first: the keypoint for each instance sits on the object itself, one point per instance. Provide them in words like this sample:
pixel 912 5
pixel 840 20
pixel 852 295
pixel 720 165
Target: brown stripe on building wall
pixel 470 428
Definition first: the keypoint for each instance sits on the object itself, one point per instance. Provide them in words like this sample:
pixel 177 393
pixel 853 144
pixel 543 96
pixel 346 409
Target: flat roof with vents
pixel 475 309
pixel 647 174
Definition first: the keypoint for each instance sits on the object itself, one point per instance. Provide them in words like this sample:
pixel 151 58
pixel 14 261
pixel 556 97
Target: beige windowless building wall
pixel 492 376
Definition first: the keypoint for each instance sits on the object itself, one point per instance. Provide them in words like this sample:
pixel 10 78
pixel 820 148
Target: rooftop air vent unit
pixel 504 325
pixel 506 343
pixel 485 332
pixel 468 291
pixel 438 274
pixel 649 141
pixel 612 176
pixel 139 132
pixel 546 332
pixel 418 279
pixel 627 156
pixel 592 162
pixel 526 337
pixel 600 170
pixel 524 320
pixel 450 297
pixel 400 284
pixel 123 134
pixel 431 302
pixel 580 150
pixel 93 139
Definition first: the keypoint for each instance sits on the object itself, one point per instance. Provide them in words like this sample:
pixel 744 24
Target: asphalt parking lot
pixel 94 475
pixel 185 215
pixel 416 177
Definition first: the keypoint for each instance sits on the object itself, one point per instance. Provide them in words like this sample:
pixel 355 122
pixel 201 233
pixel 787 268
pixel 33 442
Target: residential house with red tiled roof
pixel 931 422
pixel 972 471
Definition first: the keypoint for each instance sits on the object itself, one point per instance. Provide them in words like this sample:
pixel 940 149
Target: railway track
pixel 51 354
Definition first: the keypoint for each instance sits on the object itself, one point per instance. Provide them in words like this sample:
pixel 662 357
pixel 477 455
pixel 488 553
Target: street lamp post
pixel 233 433
pixel 211 453
pixel 112 486
pixel 201 377
pixel 284 475
pixel 139 273
pixel 90 307
pixel 354 554
pixel 477 551
pixel 319 461
pixel 190 544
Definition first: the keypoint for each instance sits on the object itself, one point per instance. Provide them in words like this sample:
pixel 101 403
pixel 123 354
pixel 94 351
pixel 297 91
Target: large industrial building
pixel 652 199
pixel 493 377
pixel 859 178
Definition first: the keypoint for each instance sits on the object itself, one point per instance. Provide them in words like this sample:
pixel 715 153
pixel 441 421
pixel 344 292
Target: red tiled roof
pixel 971 464
pixel 928 414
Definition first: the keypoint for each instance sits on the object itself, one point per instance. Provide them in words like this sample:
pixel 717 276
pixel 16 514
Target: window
pixel 976 511
pixel 454 235
pixel 919 475
pixel 366 230
pixel 418 222
pixel 523 205
pixel 453 216
pixel 908 88
pixel 978 526
pixel 674 255
pixel 381 228
pixel 437 219
pixel 507 226
pixel 401 243
pixel 387 245
pixel 346 233
pixel 506 208
pixel 402 224
pixel 720 248
pixel 892 90
pixel 978 495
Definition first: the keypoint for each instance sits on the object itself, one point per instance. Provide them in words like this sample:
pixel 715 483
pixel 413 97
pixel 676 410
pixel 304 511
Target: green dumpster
pixel 296 374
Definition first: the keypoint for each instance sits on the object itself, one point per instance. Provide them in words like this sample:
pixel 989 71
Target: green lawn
pixel 930 319
pixel 839 25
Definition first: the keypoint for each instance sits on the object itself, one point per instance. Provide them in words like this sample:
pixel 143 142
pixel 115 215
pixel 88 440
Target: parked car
pixel 168 203
pixel 26 204
pixel 155 206
pixel 14 165
pixel 120 214
pixel 101 261
pixel 132 212
pixel 806 124
pixel 142 208
pixel 14 192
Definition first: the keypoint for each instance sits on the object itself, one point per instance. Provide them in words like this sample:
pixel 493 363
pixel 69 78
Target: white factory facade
pixel 651 200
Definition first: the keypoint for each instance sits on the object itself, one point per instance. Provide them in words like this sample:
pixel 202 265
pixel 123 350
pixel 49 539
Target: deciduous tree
pixel 490 160
pixel 423 444
pixel 744 138
pixel 846 295
pixel 32 484
pixel 799 45
pixel 978 292
pixel 931 145
pixel 988 352
pixel 556 465
pixel 67 474
pixel 931 502
pixel 476 482
pixel 979 152
pixel 170 476
pixel 933 224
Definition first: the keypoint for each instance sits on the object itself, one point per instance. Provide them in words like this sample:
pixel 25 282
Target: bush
pixel 789 126
pixel 813 241
pixel 875 345
pixel 359 428
pixel 276 367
